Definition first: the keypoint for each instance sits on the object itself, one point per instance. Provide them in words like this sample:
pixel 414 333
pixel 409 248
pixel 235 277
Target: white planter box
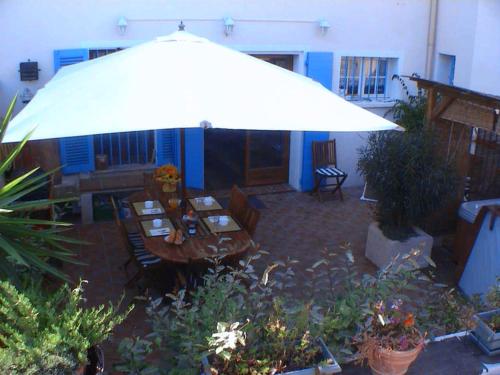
pixel 381 250
pixel 324 369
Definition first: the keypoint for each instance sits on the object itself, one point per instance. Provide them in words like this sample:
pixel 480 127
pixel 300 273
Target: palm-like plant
pixel 409 113
pixel 25 242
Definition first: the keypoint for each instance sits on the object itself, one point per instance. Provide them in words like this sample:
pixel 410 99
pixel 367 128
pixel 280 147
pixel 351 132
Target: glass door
pixel 267 153
pixel 266 157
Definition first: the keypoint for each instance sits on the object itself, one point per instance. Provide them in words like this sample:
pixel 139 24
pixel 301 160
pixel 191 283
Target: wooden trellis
pixel 467 124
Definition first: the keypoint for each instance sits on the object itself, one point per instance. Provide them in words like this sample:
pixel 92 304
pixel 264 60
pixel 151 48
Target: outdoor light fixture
pixel 324 25
pixel 26 95
pixel 122 24
pixel 205 124
pixel 228 26
pixel 29 70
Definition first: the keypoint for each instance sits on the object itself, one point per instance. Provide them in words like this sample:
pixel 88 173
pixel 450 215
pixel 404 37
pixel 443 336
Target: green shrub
pixel 27 243
pixel 409 113
pixel 346 298
pixel 410 180
pixel 42 333
pixel 272 334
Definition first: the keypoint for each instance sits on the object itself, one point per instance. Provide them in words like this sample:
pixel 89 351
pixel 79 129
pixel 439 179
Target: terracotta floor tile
pixel 293 225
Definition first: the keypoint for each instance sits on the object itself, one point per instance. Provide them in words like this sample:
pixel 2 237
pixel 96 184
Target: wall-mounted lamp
pixel 228 26
pixel 122 24
pixel 324 25
pixel 28 70
pixel 26 95
pixel 205 124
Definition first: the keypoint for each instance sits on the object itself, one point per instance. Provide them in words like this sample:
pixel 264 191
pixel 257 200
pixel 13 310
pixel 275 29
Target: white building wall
pixel 485 72
pixel 470 30
pixel 456 27
pixel 32 29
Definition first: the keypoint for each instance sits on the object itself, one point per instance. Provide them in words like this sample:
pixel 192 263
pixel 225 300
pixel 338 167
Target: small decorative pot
pixel 332 367
pixel 169 187
pixel 393 362
pixel 95 365
pixel 80 370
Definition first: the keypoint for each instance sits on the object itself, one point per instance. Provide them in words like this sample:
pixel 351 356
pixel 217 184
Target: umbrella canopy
pixel 183 81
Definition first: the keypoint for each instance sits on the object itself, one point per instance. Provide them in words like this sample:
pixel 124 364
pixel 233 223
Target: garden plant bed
pixel 486 333
pixel 325 364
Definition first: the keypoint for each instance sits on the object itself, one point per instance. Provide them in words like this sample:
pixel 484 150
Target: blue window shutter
pixel 63 57
pixel 319 66
pixel 167 147
pixel 195 158
pixel 451 75
pixel 76 153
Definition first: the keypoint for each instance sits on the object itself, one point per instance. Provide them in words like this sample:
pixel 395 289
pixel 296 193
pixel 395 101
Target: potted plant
pixel 202 329
pixel 346 296
pixel 51 333
pixel 390 341
pixel 487 324
pixel 168 176
pixel 410 181
pixel 274 345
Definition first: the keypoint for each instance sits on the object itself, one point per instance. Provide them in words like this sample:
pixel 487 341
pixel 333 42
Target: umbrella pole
pixel 183 163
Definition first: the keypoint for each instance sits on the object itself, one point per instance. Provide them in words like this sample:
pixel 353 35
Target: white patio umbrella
pixel 183 81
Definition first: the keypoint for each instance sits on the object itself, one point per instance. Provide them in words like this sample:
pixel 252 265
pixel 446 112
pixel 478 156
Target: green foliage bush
pixel 410 180
pixel 232 302
pixel 409 113
pixel 346 297
pixel 408 176
pixel 27 243
pixel 252 325
pixel 49 333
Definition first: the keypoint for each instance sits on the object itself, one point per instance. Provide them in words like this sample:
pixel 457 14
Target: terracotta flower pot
pixel 80 370
pixel 393 362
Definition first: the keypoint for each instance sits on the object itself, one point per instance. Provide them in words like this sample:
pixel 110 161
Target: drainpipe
pixel 431 39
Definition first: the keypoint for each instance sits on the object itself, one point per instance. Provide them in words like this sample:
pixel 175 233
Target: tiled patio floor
pixel 293 225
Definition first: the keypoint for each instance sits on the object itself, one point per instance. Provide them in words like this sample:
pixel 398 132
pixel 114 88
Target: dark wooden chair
pixel 324 155
pixel 242 211
pixel 238 204
pixel 251 219
pixel 134 244
pixel 148 181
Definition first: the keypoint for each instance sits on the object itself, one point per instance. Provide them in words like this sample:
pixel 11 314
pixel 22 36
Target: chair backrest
pixel 251 219
pixel 116 212
pixel 324 153
pixel 148 180
pixel 118 221
pixel 238 203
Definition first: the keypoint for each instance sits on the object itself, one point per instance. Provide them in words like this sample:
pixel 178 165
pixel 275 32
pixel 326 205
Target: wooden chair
pixel 242 211
pixel 324 155
pixel 138 254
pixel 251 219
pixel 148 181
pixel 238 204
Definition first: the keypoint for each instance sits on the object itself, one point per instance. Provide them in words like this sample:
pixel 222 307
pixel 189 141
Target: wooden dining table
pixel 195 249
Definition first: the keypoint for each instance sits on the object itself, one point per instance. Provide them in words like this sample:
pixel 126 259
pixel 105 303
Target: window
pixel 363 77
pixel 123 148
pixel 95 53
pixel 446 68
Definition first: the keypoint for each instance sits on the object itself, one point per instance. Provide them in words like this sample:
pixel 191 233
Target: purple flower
pixel 396 305
pixel 403 343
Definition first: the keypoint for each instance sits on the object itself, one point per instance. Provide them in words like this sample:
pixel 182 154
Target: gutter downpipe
pixel 431 39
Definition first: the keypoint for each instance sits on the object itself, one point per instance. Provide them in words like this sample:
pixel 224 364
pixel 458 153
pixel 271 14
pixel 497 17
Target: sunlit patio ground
pixel 292 224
